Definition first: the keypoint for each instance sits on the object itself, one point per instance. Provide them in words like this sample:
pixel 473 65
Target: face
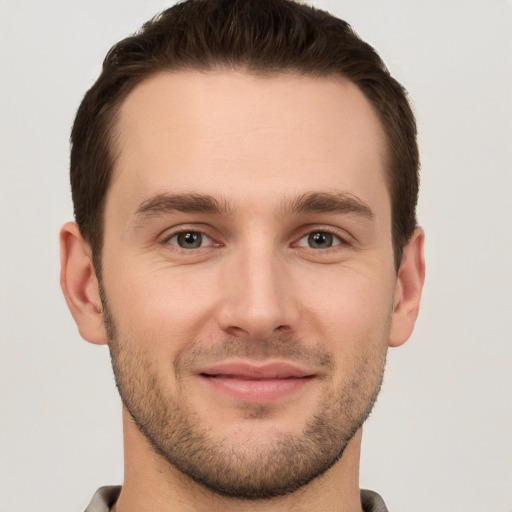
pixel 248 274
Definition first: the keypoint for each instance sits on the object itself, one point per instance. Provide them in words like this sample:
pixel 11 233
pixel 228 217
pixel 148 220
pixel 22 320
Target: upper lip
pixel 252 371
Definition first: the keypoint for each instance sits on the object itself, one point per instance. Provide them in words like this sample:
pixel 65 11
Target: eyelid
pixel 170 233
pixel 306 236
pixel 205 238
pixel 343 237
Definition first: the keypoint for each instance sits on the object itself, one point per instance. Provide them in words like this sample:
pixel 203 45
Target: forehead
pixel 243 135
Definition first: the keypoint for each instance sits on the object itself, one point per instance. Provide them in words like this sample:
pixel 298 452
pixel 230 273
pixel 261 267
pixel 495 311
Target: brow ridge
pixel 188 203
pixel 329 202
pixel 312 202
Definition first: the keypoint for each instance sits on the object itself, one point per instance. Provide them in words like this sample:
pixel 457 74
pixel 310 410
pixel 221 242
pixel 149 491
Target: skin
pixel 258 146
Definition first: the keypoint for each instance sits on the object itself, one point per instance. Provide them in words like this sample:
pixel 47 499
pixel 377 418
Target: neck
pixel 151 483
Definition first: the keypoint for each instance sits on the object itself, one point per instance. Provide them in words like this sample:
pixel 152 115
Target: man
pixel 244 178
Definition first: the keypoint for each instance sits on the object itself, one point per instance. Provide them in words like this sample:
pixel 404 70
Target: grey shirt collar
pixel 105 497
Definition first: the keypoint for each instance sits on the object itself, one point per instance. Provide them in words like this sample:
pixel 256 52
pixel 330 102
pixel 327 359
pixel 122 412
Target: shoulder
pixel 104 498
pixel 372 502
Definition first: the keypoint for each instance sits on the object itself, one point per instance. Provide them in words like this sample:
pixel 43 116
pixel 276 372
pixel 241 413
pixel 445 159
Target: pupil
pixel 190 240
pixel 320 240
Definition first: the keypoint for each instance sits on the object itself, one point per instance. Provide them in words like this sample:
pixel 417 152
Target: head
pixel 244 177
pixel 269 37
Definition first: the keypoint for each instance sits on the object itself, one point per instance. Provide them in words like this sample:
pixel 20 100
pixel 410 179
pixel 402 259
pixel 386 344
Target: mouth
pixel 256 383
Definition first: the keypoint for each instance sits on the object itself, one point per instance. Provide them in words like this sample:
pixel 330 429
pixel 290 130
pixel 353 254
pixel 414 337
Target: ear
pixel 80 285
pixel 406 302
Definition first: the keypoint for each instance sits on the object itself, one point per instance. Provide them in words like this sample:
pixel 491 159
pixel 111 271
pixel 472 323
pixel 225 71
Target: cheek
pixel 351 311
pixel 161 307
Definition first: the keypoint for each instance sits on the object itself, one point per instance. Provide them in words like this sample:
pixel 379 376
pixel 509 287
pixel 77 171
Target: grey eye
pixel 320 240
pixel 189 239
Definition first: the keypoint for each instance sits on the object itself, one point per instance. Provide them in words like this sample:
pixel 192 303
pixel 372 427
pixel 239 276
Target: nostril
pixel 236 331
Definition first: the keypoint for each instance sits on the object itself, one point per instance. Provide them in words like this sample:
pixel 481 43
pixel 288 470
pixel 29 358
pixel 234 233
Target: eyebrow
pixel 312 202
pixel 189 203
pixel 329 202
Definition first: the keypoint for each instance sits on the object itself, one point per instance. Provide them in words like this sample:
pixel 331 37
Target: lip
pixel 257 383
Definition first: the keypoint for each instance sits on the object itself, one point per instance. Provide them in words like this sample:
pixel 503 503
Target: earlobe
pixel 80 285
pixel 409 284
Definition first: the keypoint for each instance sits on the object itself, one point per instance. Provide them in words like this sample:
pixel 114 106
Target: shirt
pixel 105 497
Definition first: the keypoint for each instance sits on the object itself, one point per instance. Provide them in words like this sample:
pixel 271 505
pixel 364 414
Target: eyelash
pixel 167 240
pixel 338 240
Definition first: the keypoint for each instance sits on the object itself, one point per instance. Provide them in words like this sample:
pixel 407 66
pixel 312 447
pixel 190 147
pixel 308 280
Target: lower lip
pixel 260 391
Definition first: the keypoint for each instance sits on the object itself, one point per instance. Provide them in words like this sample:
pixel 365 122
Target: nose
pixel 258 297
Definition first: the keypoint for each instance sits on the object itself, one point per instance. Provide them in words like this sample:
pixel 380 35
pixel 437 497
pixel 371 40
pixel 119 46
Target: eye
pixel 319 240
pixel 190 240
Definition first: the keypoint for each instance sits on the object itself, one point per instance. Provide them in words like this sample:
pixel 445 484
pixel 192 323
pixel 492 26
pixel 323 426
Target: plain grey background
pixel 440 436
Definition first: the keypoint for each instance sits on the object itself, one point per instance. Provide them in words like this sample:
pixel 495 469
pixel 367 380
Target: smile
pixel 257 384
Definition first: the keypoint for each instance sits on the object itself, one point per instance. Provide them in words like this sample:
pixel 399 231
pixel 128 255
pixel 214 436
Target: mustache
pixel 283 347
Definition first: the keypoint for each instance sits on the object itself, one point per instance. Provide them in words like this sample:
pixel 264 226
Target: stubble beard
pixel 249 469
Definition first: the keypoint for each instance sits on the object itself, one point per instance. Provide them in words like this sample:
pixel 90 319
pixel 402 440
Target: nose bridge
pixel 258 300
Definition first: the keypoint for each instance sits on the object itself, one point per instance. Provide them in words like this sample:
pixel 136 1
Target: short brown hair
pixel 262 37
